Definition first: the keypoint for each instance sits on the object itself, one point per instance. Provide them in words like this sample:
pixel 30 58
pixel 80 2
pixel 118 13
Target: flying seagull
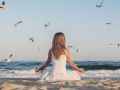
pixel 69 46
pixel 108 23
pixel 9 58
pixel 118 45
pixel 77 51
pixel 16 24
pixel 2 5
pixel 110 44
pixel 31 39
pixel 46 25
pixel 100 5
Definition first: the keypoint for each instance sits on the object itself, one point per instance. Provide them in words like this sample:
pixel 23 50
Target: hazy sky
pixel 83 24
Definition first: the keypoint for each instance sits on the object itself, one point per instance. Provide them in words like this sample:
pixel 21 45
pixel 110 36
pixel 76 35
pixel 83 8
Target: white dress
pixel 58 71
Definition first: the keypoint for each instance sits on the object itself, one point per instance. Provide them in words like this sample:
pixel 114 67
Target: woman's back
pixel 59 65
pixel 59 71
pixel 59 55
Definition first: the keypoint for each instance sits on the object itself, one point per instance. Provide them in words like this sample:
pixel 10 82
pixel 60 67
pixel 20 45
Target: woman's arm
pixel 46 63
pixel 71 63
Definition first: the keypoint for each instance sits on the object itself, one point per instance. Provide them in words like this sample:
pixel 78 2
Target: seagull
pixel 77 51
pixel 2 5
pixel 118 45
pixel 69 46
pixel 100 5
pixel 108 23
pixel 110 44
pixel 9 58
pixel 46 25
pixel 18 23
pixel 31 39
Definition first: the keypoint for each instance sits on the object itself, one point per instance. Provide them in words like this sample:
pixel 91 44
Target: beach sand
pixel 36 84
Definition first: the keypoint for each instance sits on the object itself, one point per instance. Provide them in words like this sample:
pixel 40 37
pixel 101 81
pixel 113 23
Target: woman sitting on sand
pixel 59 55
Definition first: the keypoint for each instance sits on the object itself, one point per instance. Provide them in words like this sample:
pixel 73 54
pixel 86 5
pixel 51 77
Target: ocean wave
pixel 101 74
pixel 94 74
pixel 19 74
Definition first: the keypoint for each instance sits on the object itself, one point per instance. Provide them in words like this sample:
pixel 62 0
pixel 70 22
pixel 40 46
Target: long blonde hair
pixel 58 45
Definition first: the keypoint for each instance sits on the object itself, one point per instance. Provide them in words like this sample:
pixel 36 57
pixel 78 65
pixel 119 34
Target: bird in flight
pixel 2 5
pixel 118 45
pixel 16 24
pixel 46 25
pixel 31 39
pixel 77 50
pixel 108 23
pixel 110 44
pixel 70 46
pixel 9 58
pixel 100 5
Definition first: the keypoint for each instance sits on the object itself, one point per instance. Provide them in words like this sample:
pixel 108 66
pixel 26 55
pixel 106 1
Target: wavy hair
pixel 58 45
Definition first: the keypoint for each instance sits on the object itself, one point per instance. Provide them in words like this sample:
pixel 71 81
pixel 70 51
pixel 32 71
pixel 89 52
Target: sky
pixel 83 24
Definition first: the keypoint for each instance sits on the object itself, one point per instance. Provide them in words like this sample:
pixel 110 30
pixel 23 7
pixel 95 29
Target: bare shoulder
pixel 50 52
pixel 67 52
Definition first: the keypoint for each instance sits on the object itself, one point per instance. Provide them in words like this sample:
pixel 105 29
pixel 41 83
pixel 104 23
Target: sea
pixel 93 69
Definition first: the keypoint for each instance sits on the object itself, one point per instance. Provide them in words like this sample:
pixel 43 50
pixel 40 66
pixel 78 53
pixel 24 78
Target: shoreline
pixel 36 84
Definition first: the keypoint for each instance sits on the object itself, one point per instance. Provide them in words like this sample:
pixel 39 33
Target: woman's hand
pixel 38 69
pixel 81 70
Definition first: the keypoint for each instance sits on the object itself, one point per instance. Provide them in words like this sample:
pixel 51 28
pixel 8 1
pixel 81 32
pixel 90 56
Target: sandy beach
pixel 35 84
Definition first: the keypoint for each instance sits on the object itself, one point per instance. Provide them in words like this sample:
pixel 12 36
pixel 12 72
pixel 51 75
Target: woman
pixel 59 55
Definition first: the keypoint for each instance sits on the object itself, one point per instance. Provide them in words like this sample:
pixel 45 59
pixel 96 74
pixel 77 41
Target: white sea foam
pixel 101 74
pixel 87 74
pixel 19 74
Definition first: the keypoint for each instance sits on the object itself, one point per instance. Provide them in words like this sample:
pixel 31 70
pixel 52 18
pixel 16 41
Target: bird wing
pixel 3 3
pixel 98 6
pixel 118 45
pixel 17 23
pixel 20 22
pixel 10 55
pixel 102 2
pixel 31 39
